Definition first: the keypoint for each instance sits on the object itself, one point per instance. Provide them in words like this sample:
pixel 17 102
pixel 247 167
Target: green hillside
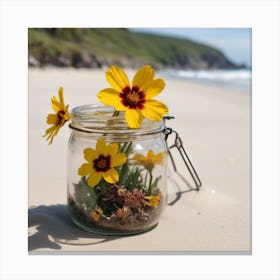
pixel 97 47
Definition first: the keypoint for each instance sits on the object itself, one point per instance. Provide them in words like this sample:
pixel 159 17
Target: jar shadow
pixel 179 189
pixel 51 226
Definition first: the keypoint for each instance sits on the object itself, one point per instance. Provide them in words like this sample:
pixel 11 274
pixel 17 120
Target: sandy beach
pixel 215 126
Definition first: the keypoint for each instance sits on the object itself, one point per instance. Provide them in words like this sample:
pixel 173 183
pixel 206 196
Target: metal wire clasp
pixel 178 144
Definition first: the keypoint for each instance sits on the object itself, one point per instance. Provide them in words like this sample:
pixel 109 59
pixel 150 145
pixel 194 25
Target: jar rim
pixel 95 118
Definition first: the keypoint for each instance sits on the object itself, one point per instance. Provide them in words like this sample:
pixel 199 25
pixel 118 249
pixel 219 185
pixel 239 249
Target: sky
pixel 235 43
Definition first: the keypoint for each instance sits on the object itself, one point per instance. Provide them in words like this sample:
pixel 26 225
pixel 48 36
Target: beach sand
pixel 215 126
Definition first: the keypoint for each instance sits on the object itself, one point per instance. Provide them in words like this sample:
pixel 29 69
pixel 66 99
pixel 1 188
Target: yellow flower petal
pixel 143 76
pixel 90 154
pixel 117 78
pixel 85 169
pixel 118 159
pixel 56 130
pixel 159 158
pixel 133 118
pixel 111 176
pixel 150 160
pixel 60 94
pixel 97 213
pixel 51 119
pixel 150 154
pixel 56 105
pixel 153 201
pixel 94 178
pixel 52 132
pixel 153 88
pixel 139 158
pixel 49 130
pixel 113 148
pixel 101 148
pixel 67 115
pixel 154 110
pixel 110 97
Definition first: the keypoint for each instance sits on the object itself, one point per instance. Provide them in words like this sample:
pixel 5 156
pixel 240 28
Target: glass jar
pixel 116 176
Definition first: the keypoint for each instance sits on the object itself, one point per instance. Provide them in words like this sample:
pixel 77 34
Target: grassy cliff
pixel 97 47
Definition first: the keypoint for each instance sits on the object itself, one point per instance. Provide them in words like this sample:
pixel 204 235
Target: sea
pixel 239 80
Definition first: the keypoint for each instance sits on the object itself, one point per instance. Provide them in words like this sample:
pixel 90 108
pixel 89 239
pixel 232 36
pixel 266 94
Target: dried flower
pixel 119 212
pixel 133 199
pixel 122 213
pixel 97 213
pixel 113 193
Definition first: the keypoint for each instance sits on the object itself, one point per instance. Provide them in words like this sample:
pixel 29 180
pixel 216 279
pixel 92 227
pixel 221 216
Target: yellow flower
pixel 101 163
pixel 58 119
pixel 97 213
pixel 153 200
pixel 135 100
pixel 150 160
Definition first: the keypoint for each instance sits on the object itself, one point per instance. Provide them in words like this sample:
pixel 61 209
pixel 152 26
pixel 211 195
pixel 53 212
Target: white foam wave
pixel 212 74
pixel 240 79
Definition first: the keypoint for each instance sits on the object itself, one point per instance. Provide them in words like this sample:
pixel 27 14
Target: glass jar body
pixel 116 177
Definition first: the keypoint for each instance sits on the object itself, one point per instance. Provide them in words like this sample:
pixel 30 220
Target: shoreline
pixel 195 82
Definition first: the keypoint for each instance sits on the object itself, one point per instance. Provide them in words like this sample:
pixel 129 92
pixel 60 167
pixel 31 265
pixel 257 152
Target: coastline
pixel 215 126
pixel 236 80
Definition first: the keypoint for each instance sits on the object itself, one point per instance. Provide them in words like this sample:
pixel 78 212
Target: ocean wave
pixel 236 79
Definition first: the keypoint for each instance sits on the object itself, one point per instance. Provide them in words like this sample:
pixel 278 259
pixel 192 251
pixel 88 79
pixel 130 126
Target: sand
pixel 215 126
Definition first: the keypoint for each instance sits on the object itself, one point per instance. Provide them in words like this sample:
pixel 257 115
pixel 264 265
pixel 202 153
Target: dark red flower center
pixel 102 163
pixel 60 117
pixel 132 97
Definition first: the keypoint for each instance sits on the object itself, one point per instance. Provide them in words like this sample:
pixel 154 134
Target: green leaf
pixel 154 184
pixel 85 196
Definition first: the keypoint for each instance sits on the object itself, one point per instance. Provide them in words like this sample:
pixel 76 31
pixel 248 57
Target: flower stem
pixel 145 180
pixel 116 113
pixel 150 184
pixel 126 148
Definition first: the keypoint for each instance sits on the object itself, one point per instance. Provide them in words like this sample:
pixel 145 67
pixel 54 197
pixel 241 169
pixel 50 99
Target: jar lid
pixel 94 118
